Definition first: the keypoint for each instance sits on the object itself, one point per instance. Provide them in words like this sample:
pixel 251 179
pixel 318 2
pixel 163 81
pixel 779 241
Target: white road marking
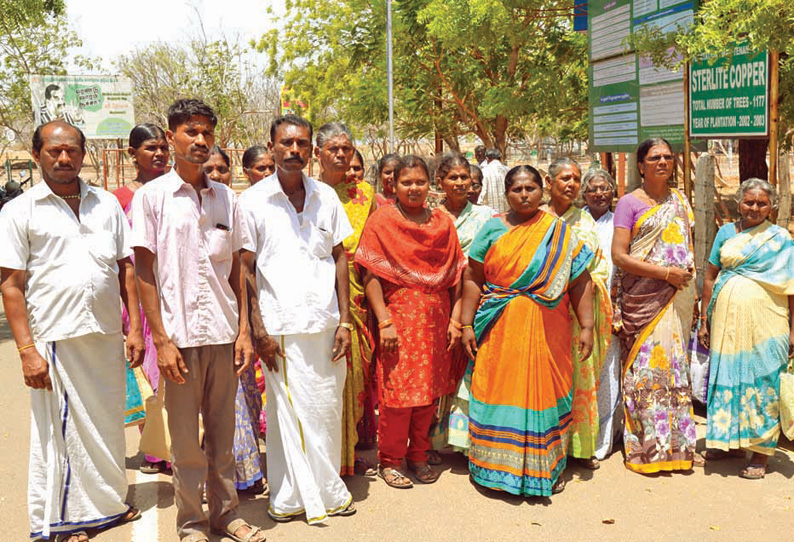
pixel 145 529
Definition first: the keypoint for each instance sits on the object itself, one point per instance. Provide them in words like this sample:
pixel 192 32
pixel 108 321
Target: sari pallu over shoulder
pixel 557 256
pixel 655 322
pixel 763 254
pixel 424 256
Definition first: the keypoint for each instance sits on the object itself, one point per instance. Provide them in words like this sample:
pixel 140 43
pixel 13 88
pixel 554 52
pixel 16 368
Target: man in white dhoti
pixel 65 264
pixel 297 276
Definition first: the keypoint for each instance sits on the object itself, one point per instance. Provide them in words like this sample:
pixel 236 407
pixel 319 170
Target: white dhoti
pixel 610 401
pixel 76 476
pixel 304 429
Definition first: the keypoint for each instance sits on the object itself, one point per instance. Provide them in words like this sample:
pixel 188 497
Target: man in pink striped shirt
pixel 187 237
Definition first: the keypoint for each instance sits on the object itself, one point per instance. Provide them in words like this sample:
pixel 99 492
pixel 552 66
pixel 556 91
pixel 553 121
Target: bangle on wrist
pixel 467 327
pixel 386 323
pixel 667 275
pixel 457 325
pixel 348 326
pixel 23 348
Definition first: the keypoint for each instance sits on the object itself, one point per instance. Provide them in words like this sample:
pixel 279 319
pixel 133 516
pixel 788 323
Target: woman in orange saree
pixel 530 269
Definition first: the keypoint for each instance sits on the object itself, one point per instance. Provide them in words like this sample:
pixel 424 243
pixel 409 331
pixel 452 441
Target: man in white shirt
pixel 479 156
pixel 297 277
pixel 65 265
pixel 187 237
pixel 493 184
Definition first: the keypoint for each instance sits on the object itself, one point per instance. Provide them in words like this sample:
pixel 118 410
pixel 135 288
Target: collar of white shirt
pixel 42 190
pixel 175 183
pixel 271 187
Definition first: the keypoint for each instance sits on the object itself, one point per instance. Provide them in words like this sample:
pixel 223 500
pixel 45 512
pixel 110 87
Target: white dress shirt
pixel 193 245
pixel 296 273
pixel 71 280
pixel 605 231
pixel 493 187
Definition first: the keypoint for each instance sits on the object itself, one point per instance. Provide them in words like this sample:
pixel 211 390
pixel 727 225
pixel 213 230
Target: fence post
pixel 633 179
pixel 705 227
pixel 784 188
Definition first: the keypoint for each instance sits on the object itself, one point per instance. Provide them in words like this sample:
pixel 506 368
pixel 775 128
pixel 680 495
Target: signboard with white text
pixel 100 105
pixel 729 95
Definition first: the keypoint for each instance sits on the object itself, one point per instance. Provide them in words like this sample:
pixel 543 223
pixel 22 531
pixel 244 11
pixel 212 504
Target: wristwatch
pixel 348 326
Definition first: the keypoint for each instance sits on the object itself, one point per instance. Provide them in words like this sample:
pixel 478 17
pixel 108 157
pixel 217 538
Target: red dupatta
pixel 426 256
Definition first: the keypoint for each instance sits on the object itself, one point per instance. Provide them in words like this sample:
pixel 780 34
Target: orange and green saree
pixel 521 390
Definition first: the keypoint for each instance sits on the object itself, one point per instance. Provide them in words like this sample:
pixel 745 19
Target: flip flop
pixel 349 511
pixel 424 473
pixel 386 472
pixel 64 537
pixel 232 527
pixel 362 467
pixel 753 472
pixel 558 486
pixel 132 514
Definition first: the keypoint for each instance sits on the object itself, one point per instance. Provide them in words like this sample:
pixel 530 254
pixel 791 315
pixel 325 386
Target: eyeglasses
pixel 658 157
pixel 599 190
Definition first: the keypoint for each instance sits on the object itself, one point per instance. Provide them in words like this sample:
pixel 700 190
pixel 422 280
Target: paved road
pixel 710 504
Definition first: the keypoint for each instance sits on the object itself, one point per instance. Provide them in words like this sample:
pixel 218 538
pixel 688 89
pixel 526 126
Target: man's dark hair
pixel 293 120
pixel 49 89
pixel 493 154
pixel 181 111
pixel 38 140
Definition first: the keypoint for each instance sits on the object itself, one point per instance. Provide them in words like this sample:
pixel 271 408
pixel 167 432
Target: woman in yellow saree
pixel 529 267
pixel 564 181
pixel 335 150
pixel 652 248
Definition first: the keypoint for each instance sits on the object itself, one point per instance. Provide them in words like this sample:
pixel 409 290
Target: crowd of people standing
pixel 504 322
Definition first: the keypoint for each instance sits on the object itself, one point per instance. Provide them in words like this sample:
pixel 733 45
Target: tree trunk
pixel 752 159
pixel 452 142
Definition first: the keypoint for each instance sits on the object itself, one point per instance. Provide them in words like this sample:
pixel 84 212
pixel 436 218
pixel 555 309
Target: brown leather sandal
pixel 424 473
pixel 394 478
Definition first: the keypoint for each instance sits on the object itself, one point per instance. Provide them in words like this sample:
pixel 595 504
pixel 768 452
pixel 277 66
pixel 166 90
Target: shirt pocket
pixel 219 245
pixel 321 242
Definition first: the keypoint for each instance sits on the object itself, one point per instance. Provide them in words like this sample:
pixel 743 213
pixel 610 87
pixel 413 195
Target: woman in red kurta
pixel 413 264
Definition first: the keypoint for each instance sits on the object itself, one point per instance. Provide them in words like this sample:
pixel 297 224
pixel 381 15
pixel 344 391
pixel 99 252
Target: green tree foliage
pixel 216 71
pixel 35 39
pixel 498 69
pixel 765 24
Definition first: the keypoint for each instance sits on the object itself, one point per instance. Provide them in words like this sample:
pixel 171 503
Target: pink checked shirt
pixel 193 247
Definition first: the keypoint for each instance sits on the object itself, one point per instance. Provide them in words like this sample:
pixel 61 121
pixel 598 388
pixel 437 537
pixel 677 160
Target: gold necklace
pixel 402 212
pixel 73 196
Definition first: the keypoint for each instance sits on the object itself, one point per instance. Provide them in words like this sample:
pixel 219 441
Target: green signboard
pixel 729 95
pixel 630 98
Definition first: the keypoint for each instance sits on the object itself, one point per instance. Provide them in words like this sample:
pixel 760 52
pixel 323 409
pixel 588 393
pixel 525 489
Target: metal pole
pixel 389 69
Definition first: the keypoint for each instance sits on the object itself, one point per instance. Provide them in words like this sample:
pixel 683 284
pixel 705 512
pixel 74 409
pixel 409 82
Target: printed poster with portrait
pixel 100 105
